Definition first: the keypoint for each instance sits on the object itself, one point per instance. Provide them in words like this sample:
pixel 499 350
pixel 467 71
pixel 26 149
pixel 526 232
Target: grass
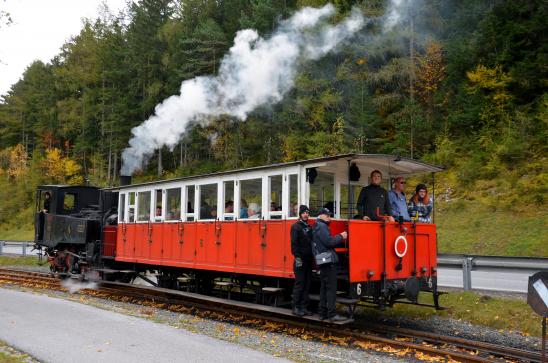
pixel 18 234
pixel 18 261
pixel 8 355
pixel 473 228
pixel 484 310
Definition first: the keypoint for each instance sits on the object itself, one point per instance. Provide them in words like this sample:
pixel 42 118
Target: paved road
pixel 56 330
pixel 515 281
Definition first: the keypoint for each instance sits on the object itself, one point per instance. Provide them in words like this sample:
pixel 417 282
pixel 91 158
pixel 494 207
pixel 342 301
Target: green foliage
pixel 457 83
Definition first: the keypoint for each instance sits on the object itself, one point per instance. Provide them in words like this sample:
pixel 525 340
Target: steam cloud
pixel 255 72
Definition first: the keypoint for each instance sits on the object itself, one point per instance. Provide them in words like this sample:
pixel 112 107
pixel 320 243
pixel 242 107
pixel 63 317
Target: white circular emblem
pixel 396 245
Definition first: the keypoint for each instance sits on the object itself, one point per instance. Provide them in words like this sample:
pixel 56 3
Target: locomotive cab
pixel 58 215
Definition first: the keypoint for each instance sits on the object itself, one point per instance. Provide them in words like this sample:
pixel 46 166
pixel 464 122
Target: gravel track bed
pixel 461 329
pixel 309 350
pixel 276 344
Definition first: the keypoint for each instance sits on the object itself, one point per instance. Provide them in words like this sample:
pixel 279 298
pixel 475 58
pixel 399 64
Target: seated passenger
pixel 229 207
pixel 373 199
pixel 243 208
pixel 294 211
pixel 158 211
pixel 420 205
pixel 213 212
pixel 273 207
pixel 253 211
pixel 398 202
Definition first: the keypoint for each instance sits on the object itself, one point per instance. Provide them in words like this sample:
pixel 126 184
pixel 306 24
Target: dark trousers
pixel 303 275
pixel 328 290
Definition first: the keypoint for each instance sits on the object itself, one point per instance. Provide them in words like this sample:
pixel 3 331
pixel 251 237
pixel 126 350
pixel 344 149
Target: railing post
pixel 1 246
pixel 467 273
pixel 24 249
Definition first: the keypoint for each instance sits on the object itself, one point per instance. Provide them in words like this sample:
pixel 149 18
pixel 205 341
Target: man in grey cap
pixel 324 243
pixel 301 248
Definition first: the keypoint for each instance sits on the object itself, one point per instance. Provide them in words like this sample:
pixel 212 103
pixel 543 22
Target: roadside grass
pixel 478 309
pixel 19 261
pixel 473 228
pixel 18 234
pixel 10 355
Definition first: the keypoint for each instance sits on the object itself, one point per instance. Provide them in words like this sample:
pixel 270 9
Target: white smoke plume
pixel 75 286
pixel 255 72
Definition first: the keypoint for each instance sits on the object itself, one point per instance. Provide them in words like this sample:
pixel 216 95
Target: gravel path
pixel 275 344
pixel 303 350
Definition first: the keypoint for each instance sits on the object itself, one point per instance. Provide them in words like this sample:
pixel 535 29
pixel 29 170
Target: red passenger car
pixel 230 230
pixel 234 226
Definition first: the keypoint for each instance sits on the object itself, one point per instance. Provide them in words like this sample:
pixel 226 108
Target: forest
pixel 459 83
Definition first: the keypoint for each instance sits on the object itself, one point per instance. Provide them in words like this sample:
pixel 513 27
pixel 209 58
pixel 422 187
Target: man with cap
pixel 301 248
pixel 324 242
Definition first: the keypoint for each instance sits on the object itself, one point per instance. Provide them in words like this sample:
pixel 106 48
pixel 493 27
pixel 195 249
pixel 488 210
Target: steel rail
pixel 377 334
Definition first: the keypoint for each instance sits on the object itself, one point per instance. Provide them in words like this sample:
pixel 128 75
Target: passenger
pixel 158 211
pixel 213 212
pixel 372 198
pixel 253 211
pixel 47 200
pixel 229 207
pixel 398 202
pixel 301 248
pixel 324 243
pixel 205 211
pixel 294 212
pixel 420 205
pixel 273 207
pixel 243 208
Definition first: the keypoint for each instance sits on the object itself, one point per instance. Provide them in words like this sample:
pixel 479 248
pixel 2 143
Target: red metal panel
pixel 205 243
pixel 109 240
pixel 185 243
pixel 156 242
pixel 225 240
pixel 125 249
pixel 366 250
pixel 273 239
pixel 249 255
pixel 170 240
pixel 142 238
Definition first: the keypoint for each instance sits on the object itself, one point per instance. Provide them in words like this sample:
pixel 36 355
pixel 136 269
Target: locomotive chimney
pixel 125 180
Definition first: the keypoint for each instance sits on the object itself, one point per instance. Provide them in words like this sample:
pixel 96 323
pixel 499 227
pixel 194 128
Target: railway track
pixel 403 342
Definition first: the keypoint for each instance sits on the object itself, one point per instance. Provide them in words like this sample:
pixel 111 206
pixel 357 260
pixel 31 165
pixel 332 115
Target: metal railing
pixel 469 263
pixel 16 247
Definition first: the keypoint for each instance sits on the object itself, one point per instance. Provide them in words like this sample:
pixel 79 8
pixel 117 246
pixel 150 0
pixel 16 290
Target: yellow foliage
pixel 18 158
pixel 492 79
pixel 61 169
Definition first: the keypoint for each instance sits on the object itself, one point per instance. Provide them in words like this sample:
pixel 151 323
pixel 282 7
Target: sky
pixel 38 31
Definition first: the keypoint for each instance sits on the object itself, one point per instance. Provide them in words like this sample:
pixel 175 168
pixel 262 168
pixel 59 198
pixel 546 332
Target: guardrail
pixel 467 263
pixel 22 246
pixel 470 263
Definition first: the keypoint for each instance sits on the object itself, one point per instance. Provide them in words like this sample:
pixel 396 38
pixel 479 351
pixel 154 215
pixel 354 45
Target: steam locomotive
pixel 197 231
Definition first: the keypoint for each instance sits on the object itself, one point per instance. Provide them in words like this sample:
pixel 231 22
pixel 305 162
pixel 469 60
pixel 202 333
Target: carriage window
pixel 251 198
pixel 293 208
pixel 208 201
pixel 131 207
pixel 173 204
pixel 158 206
pixel 344 202
pixel 69 202
pixel 143 203
pixel 121 208
pixel 275 193
pixel 229 200
pixel 322 193
pixel 190 203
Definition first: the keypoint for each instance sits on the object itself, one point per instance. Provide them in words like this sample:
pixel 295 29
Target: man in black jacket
pixel 301 248
pixel 324 242
pixel 372 198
